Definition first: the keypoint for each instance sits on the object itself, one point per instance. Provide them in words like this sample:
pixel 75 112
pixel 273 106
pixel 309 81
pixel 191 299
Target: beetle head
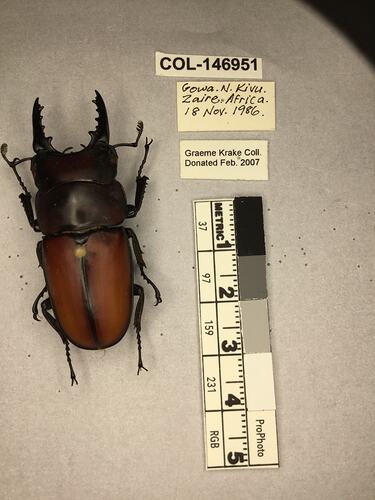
pixel 96 162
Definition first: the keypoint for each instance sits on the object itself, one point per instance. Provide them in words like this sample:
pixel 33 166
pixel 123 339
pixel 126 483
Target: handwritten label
pixel 207 66
pixel 233 160
pixel 236 105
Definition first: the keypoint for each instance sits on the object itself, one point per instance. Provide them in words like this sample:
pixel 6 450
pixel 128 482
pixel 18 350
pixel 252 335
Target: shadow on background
pixel 354 18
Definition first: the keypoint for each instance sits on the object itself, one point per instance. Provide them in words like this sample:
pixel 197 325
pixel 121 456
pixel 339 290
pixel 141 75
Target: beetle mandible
pixel 85 252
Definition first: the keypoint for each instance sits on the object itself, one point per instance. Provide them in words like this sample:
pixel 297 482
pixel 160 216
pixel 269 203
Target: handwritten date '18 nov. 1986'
pixel 236 105
pixel 242 98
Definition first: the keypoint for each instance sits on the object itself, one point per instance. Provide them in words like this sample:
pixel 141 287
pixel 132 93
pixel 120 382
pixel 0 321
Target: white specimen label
pixel 236 105
pixel 199 66
pixel 246 160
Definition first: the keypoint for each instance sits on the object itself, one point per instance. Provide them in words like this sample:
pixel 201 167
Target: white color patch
pixel 260 392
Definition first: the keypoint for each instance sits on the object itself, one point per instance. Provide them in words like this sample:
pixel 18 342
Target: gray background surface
pixel 119 436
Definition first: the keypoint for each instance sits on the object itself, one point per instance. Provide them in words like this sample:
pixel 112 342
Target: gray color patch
pixel 255 325
pixel 252 277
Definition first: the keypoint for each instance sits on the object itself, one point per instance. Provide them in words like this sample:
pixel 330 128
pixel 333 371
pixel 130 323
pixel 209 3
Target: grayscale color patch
pixel 252 277
pixel 255 326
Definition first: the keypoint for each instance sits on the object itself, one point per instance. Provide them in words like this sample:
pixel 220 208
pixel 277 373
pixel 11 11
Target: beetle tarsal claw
pixel 158 298
pixel 141 368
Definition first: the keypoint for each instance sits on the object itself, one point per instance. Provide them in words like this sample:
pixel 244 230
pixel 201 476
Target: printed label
pixel 247 160
pixel 262 438
pixel 240 105
pixel 214 439
pixel 184 65
pixel 211 381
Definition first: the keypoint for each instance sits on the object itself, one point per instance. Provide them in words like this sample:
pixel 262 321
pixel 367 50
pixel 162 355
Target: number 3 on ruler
pixel 229 347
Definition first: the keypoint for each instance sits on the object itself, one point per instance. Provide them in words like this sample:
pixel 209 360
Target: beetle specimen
pixel 85 252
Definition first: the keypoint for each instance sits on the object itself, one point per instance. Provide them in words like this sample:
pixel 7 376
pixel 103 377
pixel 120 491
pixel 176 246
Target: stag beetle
pixel 85 252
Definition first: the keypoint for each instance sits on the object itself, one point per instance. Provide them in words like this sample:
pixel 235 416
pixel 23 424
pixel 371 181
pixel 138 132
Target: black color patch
pixel 248 216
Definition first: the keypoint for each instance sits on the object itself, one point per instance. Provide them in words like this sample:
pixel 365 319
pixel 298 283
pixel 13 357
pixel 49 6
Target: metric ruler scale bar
pixel 238 388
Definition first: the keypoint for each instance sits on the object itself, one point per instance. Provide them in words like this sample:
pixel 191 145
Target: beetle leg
pixel 39 253
pixel 46 307
pixel 135 143
pixel 27 206
pixel 141 263
pixel 35 305
pixel 141 181
pixel 40 295
pixel 138 290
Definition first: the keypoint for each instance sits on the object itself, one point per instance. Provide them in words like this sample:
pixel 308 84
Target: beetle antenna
pixel 13 163
pixel 143 162
pixel 135 143
pixel 72 374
